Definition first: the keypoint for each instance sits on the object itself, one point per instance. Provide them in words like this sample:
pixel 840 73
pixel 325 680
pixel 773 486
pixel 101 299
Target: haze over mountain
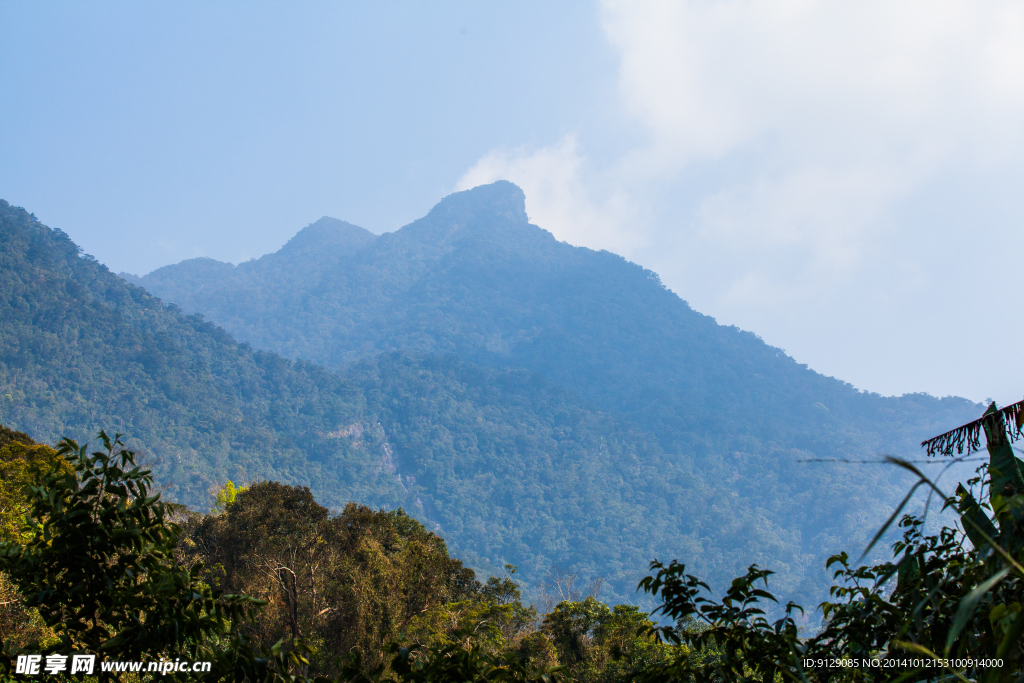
pixel 506 466
pixel 591 420
pixel 475 278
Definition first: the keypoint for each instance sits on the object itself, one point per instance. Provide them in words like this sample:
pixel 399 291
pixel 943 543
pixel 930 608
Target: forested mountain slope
pixel 81 349
pixel 508 467
pixel 475 278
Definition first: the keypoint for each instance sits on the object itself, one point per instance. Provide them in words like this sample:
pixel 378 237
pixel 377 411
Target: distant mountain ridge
pixel 507 467
pixel 475 278
pixel 544 404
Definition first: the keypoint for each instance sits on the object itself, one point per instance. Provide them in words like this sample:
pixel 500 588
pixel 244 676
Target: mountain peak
pixel 500 199
pixel 328 234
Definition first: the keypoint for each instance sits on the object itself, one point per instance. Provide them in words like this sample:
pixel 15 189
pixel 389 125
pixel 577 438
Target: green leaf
pixel 970 604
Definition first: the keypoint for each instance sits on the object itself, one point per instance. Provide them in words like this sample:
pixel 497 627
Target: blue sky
pixel 844 180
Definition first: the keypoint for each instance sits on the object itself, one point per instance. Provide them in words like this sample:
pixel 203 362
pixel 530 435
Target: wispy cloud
pixel 560 198
pixel 789 148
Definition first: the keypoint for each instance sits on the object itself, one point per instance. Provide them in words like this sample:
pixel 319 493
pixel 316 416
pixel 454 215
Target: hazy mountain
pixel 503 464
pixel 475 278
pixel 613 424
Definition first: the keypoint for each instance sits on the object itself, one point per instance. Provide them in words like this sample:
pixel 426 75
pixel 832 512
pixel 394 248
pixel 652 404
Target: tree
pixel 355 580
pixel 96 560
pixel 954 611
pixel 596 642
pixel 465 658
pixel 22 464
pixel 225 496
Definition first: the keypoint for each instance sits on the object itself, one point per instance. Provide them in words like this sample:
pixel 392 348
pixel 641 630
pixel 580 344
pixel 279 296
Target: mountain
pixel 474 278
pixel 533 402
pixel 505 465
pixel 80 350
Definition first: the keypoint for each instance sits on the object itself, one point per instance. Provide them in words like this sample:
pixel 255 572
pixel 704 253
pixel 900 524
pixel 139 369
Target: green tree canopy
pixel 95 558
pixel 948 606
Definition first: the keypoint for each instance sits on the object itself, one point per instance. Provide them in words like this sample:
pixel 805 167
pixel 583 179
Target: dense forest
pixel 80 350
pixel 334 522
pixel 271 587
pixel 283 574
pixel 733 416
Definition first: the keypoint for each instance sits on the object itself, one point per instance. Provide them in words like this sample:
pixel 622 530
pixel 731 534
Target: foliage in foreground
pixel 371 596
pixel 107 569
pixel 949 606
pixel 22 463
pixel 95 560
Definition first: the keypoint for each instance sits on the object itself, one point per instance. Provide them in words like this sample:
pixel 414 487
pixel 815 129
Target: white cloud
pixel 821 78
pixel 558 197
pixel 836 110
pixel 795 154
